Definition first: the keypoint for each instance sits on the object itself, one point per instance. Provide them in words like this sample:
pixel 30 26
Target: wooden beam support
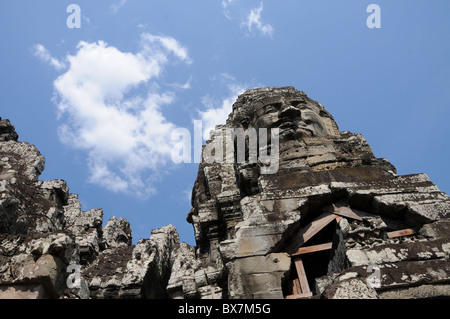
pixel 309 231
pixel 298 296
pixel 314 248
pixel 400 233
pixel 296 287
pixel 304 286
pixel 344 211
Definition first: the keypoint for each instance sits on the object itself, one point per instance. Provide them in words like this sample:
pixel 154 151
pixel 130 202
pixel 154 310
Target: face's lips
pixel 302 131
pixel 286 125
pixel 289 124
pixel 292 130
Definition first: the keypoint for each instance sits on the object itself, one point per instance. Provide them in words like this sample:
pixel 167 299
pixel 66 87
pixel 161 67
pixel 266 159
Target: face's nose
pixel 289 111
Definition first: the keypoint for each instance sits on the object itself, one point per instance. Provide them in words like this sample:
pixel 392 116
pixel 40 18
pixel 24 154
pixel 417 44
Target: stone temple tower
pixel 332 220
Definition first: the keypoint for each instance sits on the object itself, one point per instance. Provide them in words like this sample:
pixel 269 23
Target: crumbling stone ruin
pixel 333 221
pixel 50 248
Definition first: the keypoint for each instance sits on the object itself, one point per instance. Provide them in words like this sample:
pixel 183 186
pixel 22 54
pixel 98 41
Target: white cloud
pixel 217 112
pixel 125 133
pixel 250 17
pixel 186 194
pixel 44 55
pixel 116 6
pixel 182 86
pixel 226 4
pixel 253 22
pixel 168 43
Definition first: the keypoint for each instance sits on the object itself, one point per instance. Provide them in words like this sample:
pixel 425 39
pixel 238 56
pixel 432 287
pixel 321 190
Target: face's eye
pixel 272 108
pixel 296 103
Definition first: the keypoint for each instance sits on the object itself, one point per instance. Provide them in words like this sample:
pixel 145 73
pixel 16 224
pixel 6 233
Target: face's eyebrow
pixel 271 100
pixel 296 101
pixel 263 108
pixel 309 107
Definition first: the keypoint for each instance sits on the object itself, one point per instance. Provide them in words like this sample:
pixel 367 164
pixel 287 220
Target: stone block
pixel 26 291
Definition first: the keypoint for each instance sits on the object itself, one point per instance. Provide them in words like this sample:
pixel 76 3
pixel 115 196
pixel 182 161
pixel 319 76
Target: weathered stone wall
pixel 45 237
pixel 332 221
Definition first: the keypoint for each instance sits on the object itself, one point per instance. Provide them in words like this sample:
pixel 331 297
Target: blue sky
pixel 100 101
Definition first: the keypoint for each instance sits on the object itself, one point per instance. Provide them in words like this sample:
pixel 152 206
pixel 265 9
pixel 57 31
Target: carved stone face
pixel 294 116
